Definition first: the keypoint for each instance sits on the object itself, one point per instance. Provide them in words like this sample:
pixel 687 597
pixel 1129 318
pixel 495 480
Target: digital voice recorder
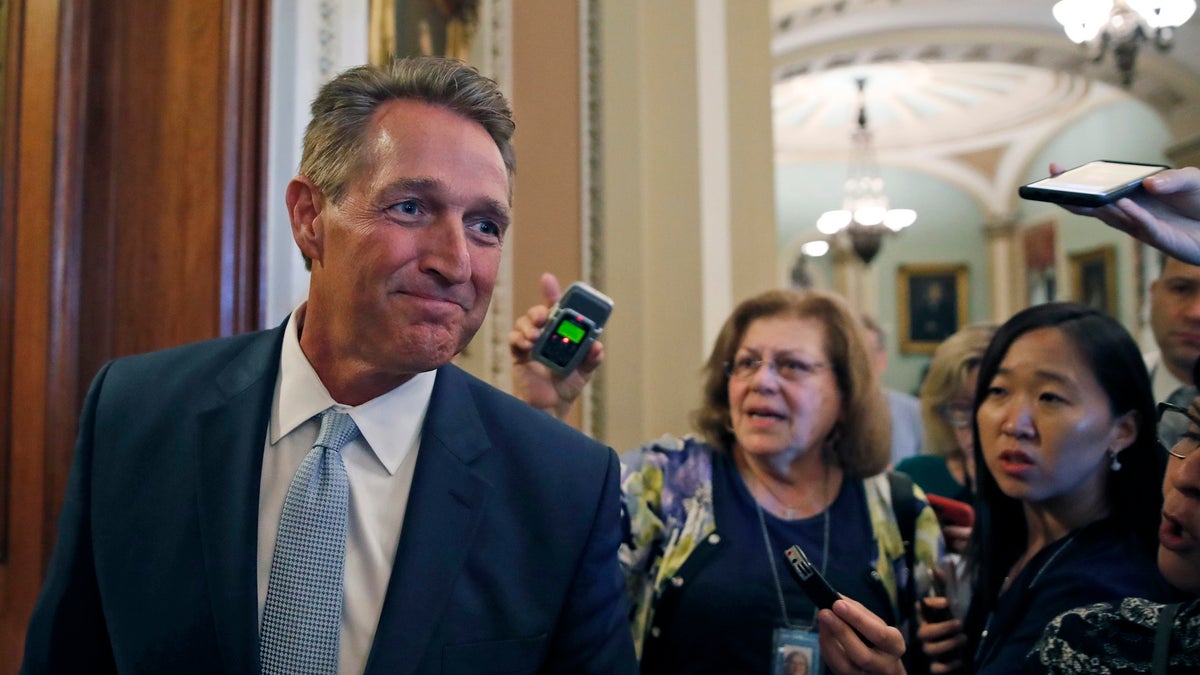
pixel 818 590
pixel 575 321
pixel 815 585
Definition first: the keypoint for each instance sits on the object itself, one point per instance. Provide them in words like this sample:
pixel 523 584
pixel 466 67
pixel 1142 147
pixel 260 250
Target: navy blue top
pixel 1099 562
pixel 726 614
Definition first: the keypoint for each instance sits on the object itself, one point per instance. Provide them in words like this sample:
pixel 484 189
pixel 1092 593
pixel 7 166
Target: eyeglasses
pixel 1177 430
pixel 956 415
pixel 789 368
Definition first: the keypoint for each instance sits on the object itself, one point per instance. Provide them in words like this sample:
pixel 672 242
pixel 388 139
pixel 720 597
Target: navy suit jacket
pixel 507 562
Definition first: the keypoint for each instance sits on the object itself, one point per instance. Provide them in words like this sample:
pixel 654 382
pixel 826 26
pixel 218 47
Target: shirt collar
pixel 390 424
pixel 1161 380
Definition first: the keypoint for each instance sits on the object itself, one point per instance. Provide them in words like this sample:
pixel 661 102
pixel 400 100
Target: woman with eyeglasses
pixel 793 442
pixel 947 467
pixel 1068 474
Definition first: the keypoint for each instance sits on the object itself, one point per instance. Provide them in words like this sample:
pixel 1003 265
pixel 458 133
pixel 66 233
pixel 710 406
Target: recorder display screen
pixel 570 331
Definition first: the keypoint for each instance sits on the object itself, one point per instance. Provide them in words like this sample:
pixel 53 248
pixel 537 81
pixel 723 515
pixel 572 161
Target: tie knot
pixel 337 429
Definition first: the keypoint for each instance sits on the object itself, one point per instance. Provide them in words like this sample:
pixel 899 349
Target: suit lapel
pixel 233 426
pixel 445 505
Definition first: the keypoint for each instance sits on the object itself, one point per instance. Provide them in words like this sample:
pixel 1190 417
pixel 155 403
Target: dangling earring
pixel 1116 463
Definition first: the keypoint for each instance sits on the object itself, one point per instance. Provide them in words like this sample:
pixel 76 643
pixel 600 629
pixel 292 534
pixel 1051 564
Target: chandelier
pixel 864 217
pixel 1122 25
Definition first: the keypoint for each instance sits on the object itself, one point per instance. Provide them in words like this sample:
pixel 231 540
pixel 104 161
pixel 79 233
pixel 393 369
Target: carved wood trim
pixel 66 244
pixel 243 244
pixel 10 82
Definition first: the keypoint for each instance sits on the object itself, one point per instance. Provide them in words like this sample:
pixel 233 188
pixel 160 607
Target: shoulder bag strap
pixel 1162 638
pixel 905 508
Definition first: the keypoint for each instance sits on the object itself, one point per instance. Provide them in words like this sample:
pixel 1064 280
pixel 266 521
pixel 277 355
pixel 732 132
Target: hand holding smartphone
pixel 935 608
pixel 1093 184
pixel 938 611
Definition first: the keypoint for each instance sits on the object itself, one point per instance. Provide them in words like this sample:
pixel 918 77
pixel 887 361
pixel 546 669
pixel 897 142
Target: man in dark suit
pixel 479 535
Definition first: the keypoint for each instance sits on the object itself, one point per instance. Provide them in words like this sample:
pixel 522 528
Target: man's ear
pixel 305 203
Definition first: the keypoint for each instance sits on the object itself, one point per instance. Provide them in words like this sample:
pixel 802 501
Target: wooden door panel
pixel 139 145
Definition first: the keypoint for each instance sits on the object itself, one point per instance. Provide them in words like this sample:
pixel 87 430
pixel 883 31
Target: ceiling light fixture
pixel 864 217
pixel 1122 25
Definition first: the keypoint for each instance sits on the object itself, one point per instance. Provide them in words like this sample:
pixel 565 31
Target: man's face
pixel 1179 532
pixel 404 266
pixel 1175 316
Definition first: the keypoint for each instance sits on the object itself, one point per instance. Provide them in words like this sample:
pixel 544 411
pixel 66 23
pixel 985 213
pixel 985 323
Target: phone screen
pixel 1097 177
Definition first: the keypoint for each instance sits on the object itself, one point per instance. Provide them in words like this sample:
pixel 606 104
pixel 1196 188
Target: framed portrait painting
pixel 1038 255
pixel 421 28
pixel 932 304
pixel 1093 278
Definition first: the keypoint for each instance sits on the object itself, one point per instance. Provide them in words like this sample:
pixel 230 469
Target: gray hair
pixel 343 109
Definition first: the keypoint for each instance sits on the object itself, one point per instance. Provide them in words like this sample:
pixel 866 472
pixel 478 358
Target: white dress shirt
pixel 1161 380
pixel 379 465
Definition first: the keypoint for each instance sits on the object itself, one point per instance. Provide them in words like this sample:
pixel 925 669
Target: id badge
pixel 795 652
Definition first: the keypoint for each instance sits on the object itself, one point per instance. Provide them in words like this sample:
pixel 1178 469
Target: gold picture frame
pixel 1094 278
pixel 931 303
pixel 421 28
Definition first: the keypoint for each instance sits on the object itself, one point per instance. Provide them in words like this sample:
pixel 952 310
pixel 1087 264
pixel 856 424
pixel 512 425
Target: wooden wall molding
pixel 34 66
pixel 9 83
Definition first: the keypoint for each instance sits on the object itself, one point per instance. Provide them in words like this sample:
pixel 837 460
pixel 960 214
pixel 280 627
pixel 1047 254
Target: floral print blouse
pixel 667 486
pixel 1119 638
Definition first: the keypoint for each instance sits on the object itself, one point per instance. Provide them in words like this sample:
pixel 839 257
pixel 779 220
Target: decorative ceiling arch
pixel 951 82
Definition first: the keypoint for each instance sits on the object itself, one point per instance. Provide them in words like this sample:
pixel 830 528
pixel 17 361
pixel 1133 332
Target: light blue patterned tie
pixel 303 613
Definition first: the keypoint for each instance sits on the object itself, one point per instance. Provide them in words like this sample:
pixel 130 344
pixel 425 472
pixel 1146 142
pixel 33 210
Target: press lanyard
pixel 762 521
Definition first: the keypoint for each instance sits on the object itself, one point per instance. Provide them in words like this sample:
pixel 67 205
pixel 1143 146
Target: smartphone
pixel 937 589
pixel 576 320
pixel 931 614
pixel 1093 184
pixel 952 511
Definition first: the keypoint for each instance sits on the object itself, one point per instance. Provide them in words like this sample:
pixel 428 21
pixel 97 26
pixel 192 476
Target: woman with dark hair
pixel 1140 635
pixel 1068 474
pixel 1137 635
pixel 794 444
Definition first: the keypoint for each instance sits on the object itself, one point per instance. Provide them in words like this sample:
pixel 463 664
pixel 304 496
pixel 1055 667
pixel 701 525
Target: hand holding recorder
pixel 843 647
pixel 553 346
pixel 852 638
pixel 1164 213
